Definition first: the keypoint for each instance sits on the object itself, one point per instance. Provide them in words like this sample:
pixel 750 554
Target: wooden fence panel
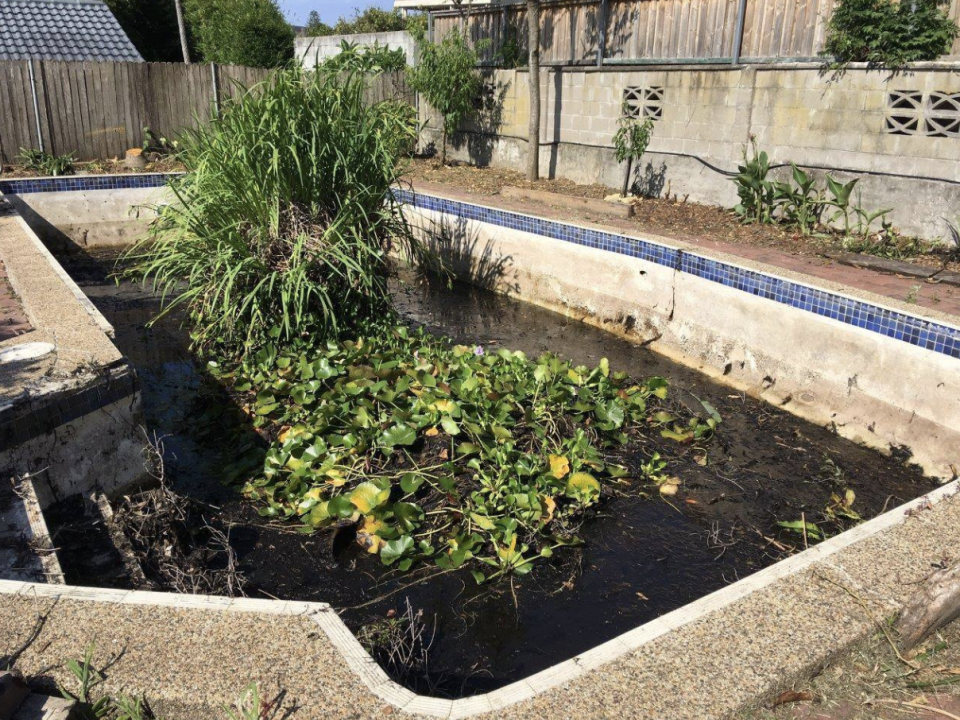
pixel 100 110
pixel 17 119
pixel 670 29
pixel 785 28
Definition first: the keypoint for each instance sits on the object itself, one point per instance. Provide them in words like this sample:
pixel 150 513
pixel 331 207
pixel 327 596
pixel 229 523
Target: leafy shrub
pixel 285 216
pixel 240 32
pixel 630 142
pixel 886 32
pixel 44 162
pixel 447 78
pixel 446 454
pixel 375 58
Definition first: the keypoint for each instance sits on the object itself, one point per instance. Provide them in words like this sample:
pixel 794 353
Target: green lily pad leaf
pixel 396 549
pixel 410 483
pixel 367 497
pixel 482 521
pixel 408 515
pixel 319 515
pixel 399 434
pixel 467 448
pixel 449 426
pixel 341 507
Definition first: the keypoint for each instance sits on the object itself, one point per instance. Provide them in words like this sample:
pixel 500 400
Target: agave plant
pixel 285 218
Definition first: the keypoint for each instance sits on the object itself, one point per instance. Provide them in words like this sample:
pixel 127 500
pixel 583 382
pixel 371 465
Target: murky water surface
pixel 643 556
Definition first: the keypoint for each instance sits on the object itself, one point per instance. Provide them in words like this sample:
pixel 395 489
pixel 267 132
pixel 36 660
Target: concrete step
pixel 46 707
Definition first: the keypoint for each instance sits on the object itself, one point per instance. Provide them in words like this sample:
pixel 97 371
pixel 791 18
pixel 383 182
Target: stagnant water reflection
pixel 643 556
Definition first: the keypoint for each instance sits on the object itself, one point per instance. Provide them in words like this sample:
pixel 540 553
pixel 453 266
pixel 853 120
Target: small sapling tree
pixel 630 142
pixel 447 78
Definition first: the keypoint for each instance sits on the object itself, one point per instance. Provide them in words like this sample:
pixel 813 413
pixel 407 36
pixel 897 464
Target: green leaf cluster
pixel 442 454
pixel 253 33
pixel 889 33
pixel 446 77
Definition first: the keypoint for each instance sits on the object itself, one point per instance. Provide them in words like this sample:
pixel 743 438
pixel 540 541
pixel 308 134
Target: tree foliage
pixel 889 33
pixel 316 27
pixel 151 26
pixel 446 76
pixel 240 32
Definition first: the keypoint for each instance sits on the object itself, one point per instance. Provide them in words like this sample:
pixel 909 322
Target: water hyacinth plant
pixel 285 216
pixel 445 454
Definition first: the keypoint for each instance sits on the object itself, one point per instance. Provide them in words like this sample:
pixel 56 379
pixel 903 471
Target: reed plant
pixel 283 223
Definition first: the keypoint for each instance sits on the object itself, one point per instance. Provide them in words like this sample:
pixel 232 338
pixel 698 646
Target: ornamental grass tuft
pixel 283 223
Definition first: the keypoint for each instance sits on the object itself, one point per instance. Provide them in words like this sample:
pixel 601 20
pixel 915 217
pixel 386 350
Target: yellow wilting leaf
pixel 670 486
pixel 366 497
pixel 559 466
pixel 431 432
pixel 313 494
pixel 551 505
pixel 336 478
pixel 367 535
pixel 444 406
pixel 284 433
pixel 848 497
pixel 583 485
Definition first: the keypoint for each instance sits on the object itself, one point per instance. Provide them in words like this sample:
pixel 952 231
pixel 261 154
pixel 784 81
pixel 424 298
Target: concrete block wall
pixel 825 121
pixel 311 51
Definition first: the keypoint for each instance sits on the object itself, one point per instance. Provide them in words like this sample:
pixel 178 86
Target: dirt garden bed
pixel 669 216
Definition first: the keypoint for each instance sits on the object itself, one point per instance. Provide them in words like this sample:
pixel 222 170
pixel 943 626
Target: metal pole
pixel 430 25
pixel 36 104
pixel 602 37
pixel 216 89
pixel 738 32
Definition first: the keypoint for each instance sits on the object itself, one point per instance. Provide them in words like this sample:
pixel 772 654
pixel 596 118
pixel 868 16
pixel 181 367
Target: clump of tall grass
pixel 285 218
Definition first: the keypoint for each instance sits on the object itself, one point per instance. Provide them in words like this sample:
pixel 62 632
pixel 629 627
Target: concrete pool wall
pixel 882 373
pixel 69 401
pixel 753 638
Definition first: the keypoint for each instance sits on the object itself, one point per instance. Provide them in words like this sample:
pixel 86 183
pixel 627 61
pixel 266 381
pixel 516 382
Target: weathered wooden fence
pixel 101 109
pixel 593 32
pixel 97 110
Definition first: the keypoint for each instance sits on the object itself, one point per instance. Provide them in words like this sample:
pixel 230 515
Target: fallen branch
pixel 934 605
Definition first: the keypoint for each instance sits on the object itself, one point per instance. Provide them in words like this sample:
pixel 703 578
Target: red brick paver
pixel 13 321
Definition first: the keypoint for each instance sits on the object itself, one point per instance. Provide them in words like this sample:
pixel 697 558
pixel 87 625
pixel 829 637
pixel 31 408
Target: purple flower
pixel 478 350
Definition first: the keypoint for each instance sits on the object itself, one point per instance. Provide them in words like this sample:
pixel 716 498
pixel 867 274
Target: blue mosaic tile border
pixel 890 323
pixel 67 183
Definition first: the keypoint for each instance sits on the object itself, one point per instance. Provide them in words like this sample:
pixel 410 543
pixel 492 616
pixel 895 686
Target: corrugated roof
pixel 62 30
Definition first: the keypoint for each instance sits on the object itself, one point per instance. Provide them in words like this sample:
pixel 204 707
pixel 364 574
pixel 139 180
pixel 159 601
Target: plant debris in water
pixel 447 454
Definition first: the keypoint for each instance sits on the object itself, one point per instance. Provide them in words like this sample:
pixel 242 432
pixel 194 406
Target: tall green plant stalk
pixel 285 218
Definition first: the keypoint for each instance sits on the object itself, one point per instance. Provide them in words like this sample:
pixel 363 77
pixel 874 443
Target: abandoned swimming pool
pixel 494 655
pixel 645 554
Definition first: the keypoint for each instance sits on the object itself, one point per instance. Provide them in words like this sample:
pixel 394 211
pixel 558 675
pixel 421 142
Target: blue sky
pixel 297 10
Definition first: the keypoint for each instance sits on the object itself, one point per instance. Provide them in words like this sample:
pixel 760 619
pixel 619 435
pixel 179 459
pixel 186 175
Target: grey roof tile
pixel 62 30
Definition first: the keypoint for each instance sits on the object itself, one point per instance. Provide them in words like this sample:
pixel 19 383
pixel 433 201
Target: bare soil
pixel 670 216
pixel 114 166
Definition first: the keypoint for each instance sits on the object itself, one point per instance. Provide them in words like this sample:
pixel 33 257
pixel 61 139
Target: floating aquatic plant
pixel 445 453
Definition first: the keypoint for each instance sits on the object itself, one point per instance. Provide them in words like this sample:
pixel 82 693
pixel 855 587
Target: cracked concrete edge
pixel 74 289
pixel 742 263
